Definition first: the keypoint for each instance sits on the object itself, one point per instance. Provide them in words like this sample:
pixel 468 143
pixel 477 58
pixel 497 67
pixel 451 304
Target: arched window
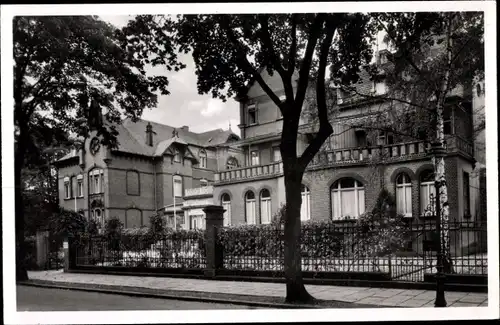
pixel 226 204
pixel 348 198
pixel 403 194
pixel 203 159
pixel 203 182
pixel 177 183
pixel 305 208
pixel 67 188
pixel 265 206
pixel 427 188
pixel 232 163
pixel 98 215
pixel 96 181
pixel 250 208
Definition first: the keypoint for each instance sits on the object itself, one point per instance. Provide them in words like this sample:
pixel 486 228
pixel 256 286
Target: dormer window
pixel 252 114
pixel 177 156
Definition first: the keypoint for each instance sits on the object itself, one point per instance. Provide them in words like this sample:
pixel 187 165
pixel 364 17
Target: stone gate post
pixel 42 249
pixel 214 217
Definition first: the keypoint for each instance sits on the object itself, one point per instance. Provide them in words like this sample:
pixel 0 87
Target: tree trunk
pixel 438 161
pixel 21 272
pixel 295 289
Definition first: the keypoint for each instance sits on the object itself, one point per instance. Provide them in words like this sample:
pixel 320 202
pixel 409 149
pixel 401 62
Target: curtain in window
pixel 305 208
pixel 250 211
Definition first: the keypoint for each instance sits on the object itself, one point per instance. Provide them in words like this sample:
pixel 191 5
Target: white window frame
pixel 250 219
pixel 276 150
pixel 203 182
pixel 67 192
pixel 256 161
pixel 401 189
pixel 336 198
pixel 177 179
pixel 177 156
pixel 79 186
pixel 203 159
pixel 305 208
pixel 96 185
pixel 252 108
pixel 429 187
pixel 226 205
pixel 265 208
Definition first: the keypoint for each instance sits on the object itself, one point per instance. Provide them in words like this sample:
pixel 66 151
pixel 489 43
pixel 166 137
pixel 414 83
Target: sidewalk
pixel 251 291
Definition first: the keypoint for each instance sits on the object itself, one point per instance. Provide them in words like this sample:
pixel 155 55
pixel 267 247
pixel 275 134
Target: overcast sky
pixel 184 106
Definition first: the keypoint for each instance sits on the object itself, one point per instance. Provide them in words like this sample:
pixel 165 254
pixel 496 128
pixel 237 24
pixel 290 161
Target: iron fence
pixel 178 251
pixel 405 251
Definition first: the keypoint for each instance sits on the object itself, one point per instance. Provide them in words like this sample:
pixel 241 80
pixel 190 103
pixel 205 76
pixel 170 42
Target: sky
pixel 184 106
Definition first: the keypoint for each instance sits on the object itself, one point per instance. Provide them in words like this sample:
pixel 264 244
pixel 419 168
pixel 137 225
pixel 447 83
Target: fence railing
pixel 179 251
pixel 402 251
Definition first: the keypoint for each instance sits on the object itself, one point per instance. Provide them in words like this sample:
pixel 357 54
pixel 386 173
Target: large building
pixel 346 177
pixel 153 164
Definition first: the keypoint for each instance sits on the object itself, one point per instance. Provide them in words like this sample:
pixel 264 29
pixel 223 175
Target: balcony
pixel 249 173
pixel 198 192
pixel 386 153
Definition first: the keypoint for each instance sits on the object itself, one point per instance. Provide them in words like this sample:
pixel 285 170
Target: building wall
pixel 237 193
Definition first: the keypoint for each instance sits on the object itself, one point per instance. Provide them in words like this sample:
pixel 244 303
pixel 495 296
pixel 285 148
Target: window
pixel 226 204
pixel 378 87
pixel 282 99
pixel 72 186
pixel 478 89
pixel 305 208
pixel 203 183
pixel 177 186
pixel 96 181
pixel 98 216
pixel 232 163
pixel 426 189
pixel 403 194
pixel 384 138
pixel 276 154
pixel 348 198
pixel 133 187
pixel 67 189
pixel 177 156
pixel 254 156
pixel 79 189
pixel 252 114
pixel 250 208
pixel 203 159
pixel 466 190
pixel 265 207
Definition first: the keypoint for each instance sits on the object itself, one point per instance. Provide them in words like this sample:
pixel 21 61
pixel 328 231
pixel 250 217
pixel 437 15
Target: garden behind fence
pixel 404 252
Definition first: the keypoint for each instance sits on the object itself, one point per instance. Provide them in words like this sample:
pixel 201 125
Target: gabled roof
pixel 132 138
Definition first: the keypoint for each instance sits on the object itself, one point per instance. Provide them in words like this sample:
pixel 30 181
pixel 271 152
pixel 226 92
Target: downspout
pixel 154 182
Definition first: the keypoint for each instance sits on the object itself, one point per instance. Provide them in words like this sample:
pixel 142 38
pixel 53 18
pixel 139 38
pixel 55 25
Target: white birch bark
pixel 438 162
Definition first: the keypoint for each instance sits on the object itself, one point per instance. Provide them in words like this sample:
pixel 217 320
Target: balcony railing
pixel 250 172
pixel 199 191
pixel 366 154
pixel 398 151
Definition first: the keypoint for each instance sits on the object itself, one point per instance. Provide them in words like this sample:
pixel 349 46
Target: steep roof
pixel 132 138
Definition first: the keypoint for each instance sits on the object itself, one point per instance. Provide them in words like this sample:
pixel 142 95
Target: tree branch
pixel 306 62
pixel 247 66
pixel 276 64
pixel 293 47
pixel 325 128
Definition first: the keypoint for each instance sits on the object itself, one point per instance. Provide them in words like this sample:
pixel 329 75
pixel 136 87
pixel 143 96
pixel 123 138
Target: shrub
pixel 67 222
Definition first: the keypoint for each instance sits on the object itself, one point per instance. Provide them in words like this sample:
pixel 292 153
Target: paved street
pixel 44 299
pixel 359 295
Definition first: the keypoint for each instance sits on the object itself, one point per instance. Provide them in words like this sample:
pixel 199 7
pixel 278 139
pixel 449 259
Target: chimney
pixel 185 128
pixel 149 134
